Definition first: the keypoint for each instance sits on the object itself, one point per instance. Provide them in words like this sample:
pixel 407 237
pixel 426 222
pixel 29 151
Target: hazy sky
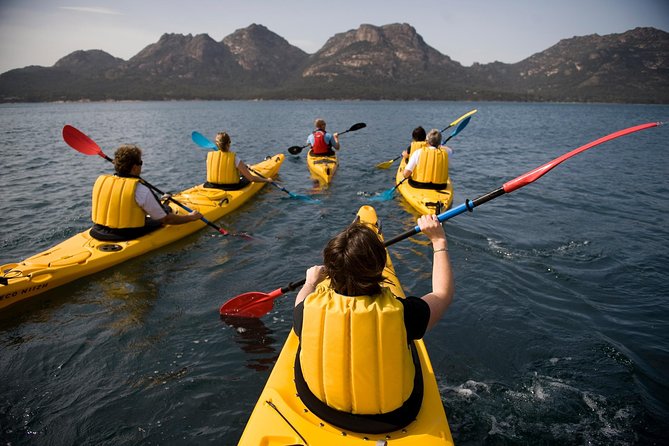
pixel 39 32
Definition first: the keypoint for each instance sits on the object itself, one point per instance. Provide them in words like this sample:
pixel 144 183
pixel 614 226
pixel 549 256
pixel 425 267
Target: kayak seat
pixel 106 234
pixel 435 186
pixel 243 182
pixel 330 153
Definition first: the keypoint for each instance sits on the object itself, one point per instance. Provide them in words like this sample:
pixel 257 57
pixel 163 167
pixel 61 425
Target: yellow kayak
pixel 82 255
pixel 280 418
pixel 425 201
pixel 322 168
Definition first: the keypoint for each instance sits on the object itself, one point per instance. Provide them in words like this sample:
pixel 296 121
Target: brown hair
pixel 319 124
pixel 223 141
pixel 127 156
pixel 354 260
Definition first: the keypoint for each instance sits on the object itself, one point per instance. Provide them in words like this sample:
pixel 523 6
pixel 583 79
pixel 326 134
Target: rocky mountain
pixel 371 62
pixel 264 56
pixel 628 67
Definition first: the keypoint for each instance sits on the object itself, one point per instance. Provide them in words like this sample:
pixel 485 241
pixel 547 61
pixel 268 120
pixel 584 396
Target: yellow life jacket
pixel 221 168
pixel 432 166
pixel 114 203
pixel 415 145
pixel 354 352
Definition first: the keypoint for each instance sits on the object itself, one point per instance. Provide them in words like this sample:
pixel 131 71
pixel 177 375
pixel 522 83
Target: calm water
pixel 558 333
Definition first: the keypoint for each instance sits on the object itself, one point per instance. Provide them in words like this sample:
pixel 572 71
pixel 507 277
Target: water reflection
pixel 256 339
pixel 128 297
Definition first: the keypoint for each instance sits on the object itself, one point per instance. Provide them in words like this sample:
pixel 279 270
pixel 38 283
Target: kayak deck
pixel 322 168
pixel 425 201
pixel 81 254
pixel 280 418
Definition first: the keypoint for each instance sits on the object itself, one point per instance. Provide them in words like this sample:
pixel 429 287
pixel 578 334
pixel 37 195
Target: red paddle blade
pixel 540 171
pixel 253 304
pixel 80 142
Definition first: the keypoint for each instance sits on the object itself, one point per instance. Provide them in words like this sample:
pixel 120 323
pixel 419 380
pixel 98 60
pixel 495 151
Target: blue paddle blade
pixel 202 141
pixel 300 197
pixel 384 196
pixel 458 129
pixel 305 198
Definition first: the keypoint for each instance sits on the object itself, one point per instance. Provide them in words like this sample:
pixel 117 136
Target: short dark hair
pixel 418 134
pixel 354 260
pixel 127 156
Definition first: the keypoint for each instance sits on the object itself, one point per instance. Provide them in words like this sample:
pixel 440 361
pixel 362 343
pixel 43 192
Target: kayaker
pixel 354 301
pixel 123 207
pixel 225 170
pixel 427 167
pixel 322 142
pixel 417 141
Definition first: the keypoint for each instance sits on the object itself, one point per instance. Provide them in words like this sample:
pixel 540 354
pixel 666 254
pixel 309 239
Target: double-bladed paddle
pixel 387 164
pixel 295 150
pixel 205 143
pixel 256 304
pixel 388 194
pixel 83 144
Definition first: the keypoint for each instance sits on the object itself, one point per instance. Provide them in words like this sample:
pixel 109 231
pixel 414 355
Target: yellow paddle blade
pixel 385 164
pixel 461 118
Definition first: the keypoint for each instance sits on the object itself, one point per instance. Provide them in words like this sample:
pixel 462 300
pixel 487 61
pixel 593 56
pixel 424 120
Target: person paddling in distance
pixel 321 142
pixel 225 170
pixel 427 167
pixel 123 207
pixel 418 137
pixel 356 366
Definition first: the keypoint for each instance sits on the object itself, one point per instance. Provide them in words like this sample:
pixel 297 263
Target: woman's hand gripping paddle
pixel 83 144
pixel 204 143
pixel 295 150
pixel 257 304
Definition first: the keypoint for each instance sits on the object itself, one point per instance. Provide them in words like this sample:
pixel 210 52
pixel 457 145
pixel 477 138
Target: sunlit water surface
pixel 558 332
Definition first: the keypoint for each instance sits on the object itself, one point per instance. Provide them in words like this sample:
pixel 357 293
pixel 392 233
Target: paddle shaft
pixel 524 179
pixel 469 205
pixel 466 115
pixel 204 143
pixel 297 149
pixel 281 188
pixel 459 128
pixel 520 181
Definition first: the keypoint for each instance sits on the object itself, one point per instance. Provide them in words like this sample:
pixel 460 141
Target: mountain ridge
pixel 371 62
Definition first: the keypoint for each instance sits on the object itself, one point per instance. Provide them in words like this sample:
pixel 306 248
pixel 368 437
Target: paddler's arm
pixel 315 275
pixel 411 164
pixel 152 206
pixel 176 219
pixel 244 170
pixel 335 144
pixel 443 285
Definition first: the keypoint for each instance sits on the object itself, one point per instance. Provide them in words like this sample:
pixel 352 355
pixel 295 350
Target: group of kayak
pixel 280 416
pixel 92 251
pixel 285 411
